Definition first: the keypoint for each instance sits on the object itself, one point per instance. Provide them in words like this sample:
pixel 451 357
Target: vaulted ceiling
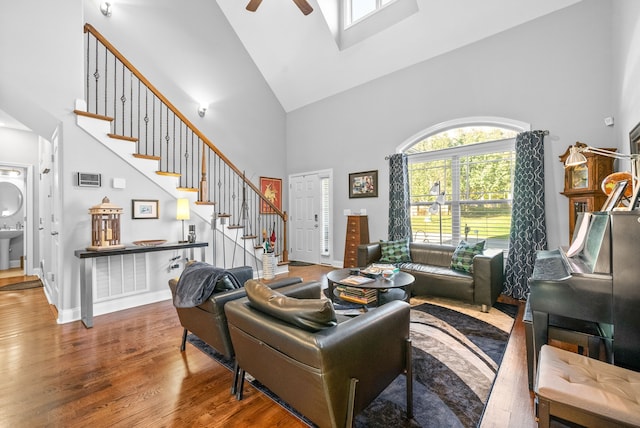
pixel 301 61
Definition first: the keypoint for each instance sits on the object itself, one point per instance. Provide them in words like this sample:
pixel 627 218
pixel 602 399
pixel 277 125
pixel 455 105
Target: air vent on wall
pixel 87 179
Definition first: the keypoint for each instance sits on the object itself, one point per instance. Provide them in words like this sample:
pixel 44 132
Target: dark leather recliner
pixel 328 375
pixel 208 320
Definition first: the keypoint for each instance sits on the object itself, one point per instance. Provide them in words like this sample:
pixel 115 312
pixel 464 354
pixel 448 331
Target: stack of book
pixel 363 296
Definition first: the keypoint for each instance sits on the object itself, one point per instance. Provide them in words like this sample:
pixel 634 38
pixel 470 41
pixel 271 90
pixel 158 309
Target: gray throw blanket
pixel 198 282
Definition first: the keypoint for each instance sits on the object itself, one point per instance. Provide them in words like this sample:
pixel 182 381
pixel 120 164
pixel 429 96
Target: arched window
pixel 461 181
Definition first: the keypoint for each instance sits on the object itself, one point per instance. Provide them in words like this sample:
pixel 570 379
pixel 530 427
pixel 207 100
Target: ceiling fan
pixel 304 6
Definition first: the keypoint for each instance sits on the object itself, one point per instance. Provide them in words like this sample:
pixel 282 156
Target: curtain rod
pixel 544 132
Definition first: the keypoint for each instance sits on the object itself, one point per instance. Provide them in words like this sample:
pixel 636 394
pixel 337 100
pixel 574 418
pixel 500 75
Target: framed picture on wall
pixel 363 184
pixel 271 188
pixel 144 209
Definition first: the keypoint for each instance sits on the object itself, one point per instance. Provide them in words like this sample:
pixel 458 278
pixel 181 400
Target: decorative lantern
pixel 105 226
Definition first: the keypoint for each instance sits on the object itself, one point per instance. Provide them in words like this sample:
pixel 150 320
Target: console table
pixel 86 269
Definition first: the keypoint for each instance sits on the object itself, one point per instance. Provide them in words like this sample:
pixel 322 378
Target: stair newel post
pixel 202 196
pixel 285 252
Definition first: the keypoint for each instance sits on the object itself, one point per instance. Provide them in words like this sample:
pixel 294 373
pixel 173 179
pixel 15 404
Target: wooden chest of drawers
pixel 357 233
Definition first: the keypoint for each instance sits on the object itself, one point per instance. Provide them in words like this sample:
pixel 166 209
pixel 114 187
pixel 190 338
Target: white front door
pixel 305 194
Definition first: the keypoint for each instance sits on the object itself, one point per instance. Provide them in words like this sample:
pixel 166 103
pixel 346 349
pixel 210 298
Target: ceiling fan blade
pixel 253 5
pixel 304 6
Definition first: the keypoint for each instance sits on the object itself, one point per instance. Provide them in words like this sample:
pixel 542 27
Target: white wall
pixel 626 61
pixel 41 75
pixel 553 73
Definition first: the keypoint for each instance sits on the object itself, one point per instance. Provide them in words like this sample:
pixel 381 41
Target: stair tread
pixel 187 189
pixel 143 156
pixel 122 137
pixel 204 203
pixel 168 173
pixel 93 115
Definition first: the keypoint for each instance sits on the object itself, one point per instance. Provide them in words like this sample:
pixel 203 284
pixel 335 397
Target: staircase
pixel 126 113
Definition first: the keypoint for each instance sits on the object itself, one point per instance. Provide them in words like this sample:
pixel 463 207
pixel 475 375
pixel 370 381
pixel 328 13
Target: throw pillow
pixel 395 251
pixel 309 314
pixel 462 258
pixel 224 284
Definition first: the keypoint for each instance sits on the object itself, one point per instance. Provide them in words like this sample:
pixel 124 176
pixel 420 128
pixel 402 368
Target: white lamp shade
pixel 182 209
pixel 575 157
pixel 433 209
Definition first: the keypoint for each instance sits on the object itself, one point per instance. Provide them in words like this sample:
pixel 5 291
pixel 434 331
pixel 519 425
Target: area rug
pixel 299 264
pixel 34 283
pixel 457 351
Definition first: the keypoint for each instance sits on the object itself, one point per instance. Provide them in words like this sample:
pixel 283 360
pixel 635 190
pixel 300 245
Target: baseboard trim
pixel 102 308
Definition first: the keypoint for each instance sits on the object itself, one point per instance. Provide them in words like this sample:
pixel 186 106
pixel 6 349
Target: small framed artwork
pixel 614 197
pixel 271 188
pixel 363 184
pixel 144 208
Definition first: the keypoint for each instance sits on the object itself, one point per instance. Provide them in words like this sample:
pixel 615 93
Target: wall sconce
pixel 182 213
pixel 10 172
pixel 202 109
pixel 106 8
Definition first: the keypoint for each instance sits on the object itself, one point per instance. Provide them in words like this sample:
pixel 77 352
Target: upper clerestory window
pixel 357 9
pixel 364 18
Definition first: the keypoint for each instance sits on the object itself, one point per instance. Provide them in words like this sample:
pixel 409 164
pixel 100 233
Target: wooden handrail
pixel 89 28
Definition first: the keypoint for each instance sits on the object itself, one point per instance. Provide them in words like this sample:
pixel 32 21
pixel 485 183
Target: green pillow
pixel 395 251
pixel 462 258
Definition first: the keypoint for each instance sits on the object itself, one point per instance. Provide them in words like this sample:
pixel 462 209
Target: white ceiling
pixel 7 121
pixel 300 60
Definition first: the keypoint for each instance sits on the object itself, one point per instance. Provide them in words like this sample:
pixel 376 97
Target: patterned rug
pixel 457 351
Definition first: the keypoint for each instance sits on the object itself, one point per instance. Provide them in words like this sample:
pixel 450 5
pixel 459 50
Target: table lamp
pixel 182 213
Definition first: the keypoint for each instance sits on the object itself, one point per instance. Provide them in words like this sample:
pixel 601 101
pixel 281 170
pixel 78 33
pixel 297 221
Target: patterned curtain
pixel 528 225
pixel 399 204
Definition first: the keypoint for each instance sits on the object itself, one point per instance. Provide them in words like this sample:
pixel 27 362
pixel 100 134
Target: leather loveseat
pixel 431 266
pixel 327 367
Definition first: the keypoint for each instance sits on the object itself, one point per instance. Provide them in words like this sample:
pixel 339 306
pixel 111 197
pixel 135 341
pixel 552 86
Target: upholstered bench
pixel 586 391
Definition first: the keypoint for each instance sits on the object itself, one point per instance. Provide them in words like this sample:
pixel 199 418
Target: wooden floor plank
pixel 128 371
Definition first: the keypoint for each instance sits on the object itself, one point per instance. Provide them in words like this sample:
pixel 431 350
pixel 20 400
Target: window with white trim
pixel 473 166
pixel 358 9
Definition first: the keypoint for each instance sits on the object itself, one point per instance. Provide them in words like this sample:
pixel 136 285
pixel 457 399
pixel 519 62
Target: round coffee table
pixel 385 288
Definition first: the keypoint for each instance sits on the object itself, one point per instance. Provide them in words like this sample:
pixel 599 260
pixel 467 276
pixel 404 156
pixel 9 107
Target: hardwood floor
pixel 128 371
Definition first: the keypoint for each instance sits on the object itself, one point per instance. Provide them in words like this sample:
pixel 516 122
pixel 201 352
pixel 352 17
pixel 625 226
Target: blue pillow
pixel 462 258
pixel 395 251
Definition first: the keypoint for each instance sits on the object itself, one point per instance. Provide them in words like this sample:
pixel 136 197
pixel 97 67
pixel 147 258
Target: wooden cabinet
pixel 357 233
pixel 582 184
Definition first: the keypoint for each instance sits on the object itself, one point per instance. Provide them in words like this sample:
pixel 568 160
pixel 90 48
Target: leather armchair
pixel 328 375
pixel 208 320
